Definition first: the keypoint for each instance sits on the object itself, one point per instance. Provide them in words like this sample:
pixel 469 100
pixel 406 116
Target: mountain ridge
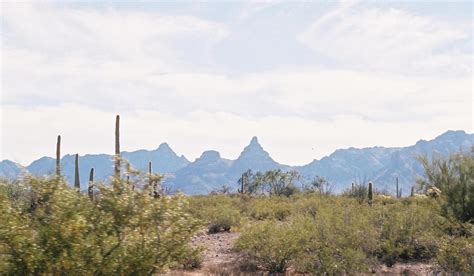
pixel 210 171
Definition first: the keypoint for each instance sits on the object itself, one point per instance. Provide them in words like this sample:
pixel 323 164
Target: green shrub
pixel 453 178
pixel 222 218
pixel 271 245
pixel 335 239
pixel 408 231
pixel 218 212
pixel 457 255
pixel 269 208
pixel 61 231
pixel 193 259
pixel 339 235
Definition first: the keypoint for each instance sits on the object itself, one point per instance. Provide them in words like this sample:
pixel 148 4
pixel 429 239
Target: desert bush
pixel 337 238
pixel 384 199
pixel 359 191
pixel 324 235
pixel 271 245
pixel 218 212
pixel 451 179
pixel 456 255
pixel 339 235
pixel 408 231
pixel 268 208
pixel 272 182
pixel 319 185
pixel 122 231
pixel 222 218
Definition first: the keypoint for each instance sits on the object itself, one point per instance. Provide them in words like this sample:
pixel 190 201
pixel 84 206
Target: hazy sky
pixel 306 78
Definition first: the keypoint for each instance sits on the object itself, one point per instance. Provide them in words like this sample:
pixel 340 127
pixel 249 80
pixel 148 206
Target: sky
pixel 307 78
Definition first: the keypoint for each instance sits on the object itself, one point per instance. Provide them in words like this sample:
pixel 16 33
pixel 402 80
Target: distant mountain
pixel 404 165
pixel 210 171
pixel 10 169
pixel 382 165
pixel 164 160
pixel 253 157
pixel 202 176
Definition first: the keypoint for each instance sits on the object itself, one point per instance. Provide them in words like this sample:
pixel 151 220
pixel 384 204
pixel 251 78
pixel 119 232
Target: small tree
pixel 454 177
pixel 245 182
pixel 320 185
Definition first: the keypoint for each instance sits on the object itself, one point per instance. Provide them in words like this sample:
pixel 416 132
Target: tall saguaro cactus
pixel 150 180
pixel 90 190
pixel 398 191
pixel 77 182
pixel 370 193
pixel 117 146
pixel 58 156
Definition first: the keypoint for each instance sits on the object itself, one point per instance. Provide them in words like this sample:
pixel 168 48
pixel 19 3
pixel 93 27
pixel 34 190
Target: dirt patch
pixel 218 254
pixel 409 269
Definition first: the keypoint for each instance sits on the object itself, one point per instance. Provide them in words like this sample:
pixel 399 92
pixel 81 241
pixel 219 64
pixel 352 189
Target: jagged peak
pixel 254 141
pixel 253 145
pixel 165 146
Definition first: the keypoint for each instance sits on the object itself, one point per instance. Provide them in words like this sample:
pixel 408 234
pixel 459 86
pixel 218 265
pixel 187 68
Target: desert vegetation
pixel 130 226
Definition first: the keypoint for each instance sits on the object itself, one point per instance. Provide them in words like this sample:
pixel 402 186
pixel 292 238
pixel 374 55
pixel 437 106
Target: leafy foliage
pixel 219 212
pixel 338 235
pixel 270 244
pixel 319 185
pixel 272 182
pixel 51 228
pixel 454 177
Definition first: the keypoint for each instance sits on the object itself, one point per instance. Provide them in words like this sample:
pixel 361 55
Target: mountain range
pixel 210 171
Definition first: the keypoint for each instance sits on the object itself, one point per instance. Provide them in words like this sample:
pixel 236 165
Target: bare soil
pixel 409 269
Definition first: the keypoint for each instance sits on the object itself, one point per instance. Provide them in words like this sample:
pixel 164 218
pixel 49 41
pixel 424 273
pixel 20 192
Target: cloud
pixel 59 32
pixel 70 71
pixel 392 40
pixel 304 93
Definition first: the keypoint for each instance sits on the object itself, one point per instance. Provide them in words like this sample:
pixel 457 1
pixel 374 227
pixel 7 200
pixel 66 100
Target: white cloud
pixel 391 40
pixel 60 33
pixel 70 70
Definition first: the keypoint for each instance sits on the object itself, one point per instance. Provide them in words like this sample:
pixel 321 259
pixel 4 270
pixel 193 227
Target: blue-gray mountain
pixel 210 171
pixel 164 160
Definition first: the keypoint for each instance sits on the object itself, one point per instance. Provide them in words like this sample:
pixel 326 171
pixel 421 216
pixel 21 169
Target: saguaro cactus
pixel 152 182
pixel 77 182
pixel 90 190
pixel 58 156
pixel 398 191
pixel 370 193
pixel 117 146
pixel 412 191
